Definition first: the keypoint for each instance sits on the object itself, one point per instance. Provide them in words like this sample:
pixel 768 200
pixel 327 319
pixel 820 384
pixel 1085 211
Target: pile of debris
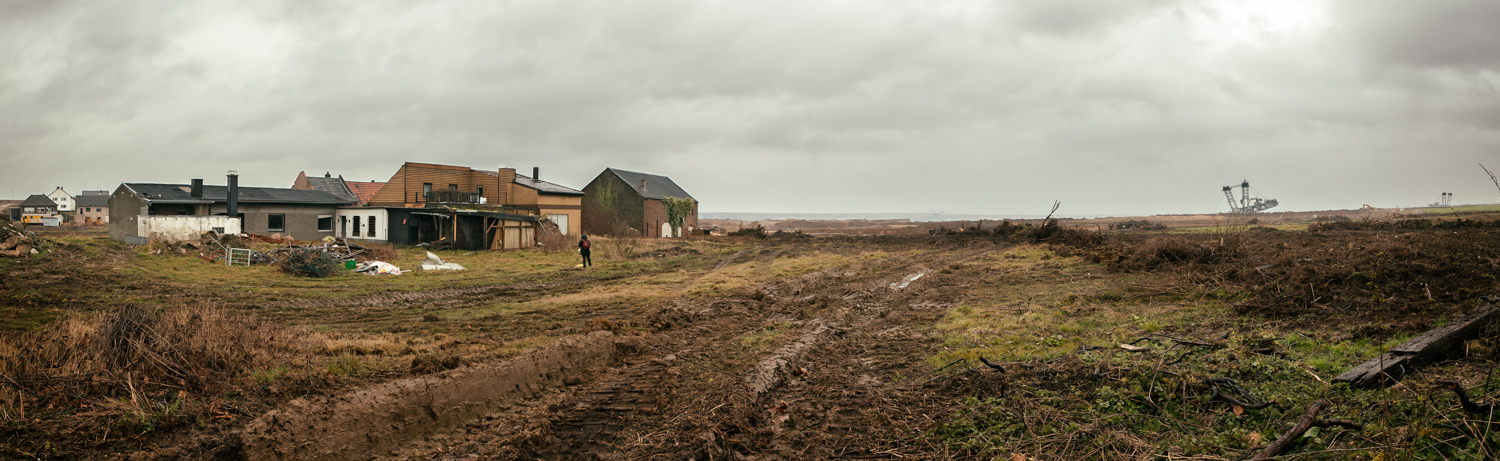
pixel 16 242
pixel 337 248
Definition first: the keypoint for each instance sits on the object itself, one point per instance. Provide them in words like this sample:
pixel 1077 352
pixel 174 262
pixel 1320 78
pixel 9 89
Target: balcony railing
pixel 447 196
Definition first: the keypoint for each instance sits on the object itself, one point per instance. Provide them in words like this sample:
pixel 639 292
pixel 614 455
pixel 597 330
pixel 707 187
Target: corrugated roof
pixel 38 200
pixel 180 192
pixel 92 200
pixel 657 187
pixel 545 187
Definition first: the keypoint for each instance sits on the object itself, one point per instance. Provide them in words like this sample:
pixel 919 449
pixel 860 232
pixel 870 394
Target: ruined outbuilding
pixel 629 203
pixel 139 210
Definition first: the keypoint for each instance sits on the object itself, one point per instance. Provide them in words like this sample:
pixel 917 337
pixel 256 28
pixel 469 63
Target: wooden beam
pixel 1421 350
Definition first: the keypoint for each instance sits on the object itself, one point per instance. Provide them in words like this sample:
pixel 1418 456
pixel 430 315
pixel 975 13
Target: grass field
pixel 176 347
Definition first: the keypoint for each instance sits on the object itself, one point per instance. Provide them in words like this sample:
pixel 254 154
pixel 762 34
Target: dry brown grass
pixel 127 371
pixel 554 242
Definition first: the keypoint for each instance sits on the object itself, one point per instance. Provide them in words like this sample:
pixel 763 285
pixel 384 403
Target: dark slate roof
pixel 92 200
pixel 180 193
pixel 36 200
pixel 544 187
pixel 657 187
pixel 333 186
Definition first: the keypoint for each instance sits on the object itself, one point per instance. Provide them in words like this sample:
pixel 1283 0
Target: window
pixel 325 223
pixel 371 227
pixel 562 222
pixel 356 226
pixel 426 192
pixel 275 222
pixel 453 187
pixel 479 190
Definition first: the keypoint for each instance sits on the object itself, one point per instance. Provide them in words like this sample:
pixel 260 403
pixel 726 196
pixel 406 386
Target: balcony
pixel 448 196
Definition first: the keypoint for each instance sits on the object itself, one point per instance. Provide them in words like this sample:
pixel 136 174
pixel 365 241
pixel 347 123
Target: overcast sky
pixel 1111 106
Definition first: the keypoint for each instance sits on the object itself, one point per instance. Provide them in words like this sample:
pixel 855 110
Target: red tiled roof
pixel 364 190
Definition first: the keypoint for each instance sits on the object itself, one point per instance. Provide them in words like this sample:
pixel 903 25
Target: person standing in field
pixel 583 249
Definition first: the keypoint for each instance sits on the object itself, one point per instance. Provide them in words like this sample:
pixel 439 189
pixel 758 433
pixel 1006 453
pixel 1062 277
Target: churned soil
pixel 828 364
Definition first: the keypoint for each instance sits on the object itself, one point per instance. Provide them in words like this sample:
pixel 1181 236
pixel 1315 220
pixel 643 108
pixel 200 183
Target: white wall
pixel 62 198
pixel 181 228
pixel 343 223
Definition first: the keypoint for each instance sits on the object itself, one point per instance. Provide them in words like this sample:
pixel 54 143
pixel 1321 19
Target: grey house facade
pixel 302 214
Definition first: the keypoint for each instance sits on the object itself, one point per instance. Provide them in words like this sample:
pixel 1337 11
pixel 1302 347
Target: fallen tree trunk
pixel 1421 350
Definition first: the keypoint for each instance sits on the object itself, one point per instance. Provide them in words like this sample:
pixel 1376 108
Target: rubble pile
pixel 15 241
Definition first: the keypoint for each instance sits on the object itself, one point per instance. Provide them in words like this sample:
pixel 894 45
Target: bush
pixel 1172 249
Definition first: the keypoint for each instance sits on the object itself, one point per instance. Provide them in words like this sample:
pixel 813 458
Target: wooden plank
pixel 1426 348
pixel 1388 367
pixel 1443 336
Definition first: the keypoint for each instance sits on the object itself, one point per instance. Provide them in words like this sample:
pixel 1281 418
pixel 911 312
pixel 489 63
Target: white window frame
pixel 561 226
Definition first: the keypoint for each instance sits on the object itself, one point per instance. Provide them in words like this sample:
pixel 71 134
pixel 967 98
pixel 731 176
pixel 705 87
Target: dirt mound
pixel 371 421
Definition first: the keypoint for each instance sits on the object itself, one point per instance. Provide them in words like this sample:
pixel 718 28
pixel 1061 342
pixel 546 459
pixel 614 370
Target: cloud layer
pixel 965 107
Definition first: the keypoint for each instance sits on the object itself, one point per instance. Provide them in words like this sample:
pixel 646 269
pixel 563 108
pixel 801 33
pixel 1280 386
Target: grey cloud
pixel 1002 104
pixel 1455 34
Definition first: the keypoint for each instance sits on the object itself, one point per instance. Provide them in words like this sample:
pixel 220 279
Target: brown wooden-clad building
pixel 418 185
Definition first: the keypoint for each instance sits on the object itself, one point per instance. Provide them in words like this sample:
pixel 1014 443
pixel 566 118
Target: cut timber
pixel 1428 347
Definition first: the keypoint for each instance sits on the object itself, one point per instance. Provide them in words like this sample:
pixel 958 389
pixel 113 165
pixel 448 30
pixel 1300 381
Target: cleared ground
pixel 776 348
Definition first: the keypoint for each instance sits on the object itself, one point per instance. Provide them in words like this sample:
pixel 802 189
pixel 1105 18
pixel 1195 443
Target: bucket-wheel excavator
pixel 1246 203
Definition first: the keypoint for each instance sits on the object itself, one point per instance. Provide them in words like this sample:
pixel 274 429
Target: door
pixel 666 230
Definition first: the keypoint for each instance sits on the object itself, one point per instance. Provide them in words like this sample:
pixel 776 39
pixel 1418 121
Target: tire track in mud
pixel 675 401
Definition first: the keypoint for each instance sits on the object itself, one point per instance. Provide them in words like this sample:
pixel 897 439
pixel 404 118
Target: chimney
pixel 536 173
pixel 643 184
pixel 233 195
pixel 328 174
pixel 197 190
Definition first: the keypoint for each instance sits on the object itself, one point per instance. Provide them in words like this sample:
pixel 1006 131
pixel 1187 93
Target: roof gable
pixel 656 186
pixel 334 186
pixel 36 200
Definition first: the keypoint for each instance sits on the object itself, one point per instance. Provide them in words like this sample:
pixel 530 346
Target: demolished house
pixel 139 212
pixel 461 229
pixel 463 208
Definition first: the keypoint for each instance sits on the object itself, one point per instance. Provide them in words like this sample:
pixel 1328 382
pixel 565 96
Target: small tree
pixel 605 196
pixel 678 210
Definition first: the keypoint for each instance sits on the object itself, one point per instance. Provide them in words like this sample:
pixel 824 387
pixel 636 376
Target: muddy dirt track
pixel 835 370
pixel 825 390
